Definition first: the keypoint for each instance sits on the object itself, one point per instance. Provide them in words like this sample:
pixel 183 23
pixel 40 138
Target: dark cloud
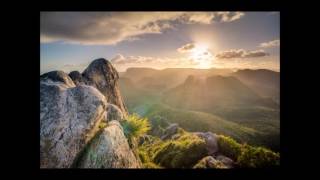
pixel 113 27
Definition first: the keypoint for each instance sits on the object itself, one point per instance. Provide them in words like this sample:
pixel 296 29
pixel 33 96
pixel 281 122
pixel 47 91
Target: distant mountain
pixel 206 94
pixel 161 80
pixel 264 82
pixel 197 98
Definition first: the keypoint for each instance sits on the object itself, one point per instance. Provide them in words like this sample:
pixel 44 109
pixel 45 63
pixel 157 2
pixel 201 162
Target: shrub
pixel 151 165
pixel 258 157
pixel 229 147
pixel 183 152
pixel 134 126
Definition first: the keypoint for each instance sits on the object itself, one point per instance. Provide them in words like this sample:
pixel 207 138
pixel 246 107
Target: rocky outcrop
pixel 69 118
pixel 103 76
pixel 109 149
pixel 57 77
pixel 114 113
pixel 211 141
pixel 79 119
pixel 171 130
pixel 77 78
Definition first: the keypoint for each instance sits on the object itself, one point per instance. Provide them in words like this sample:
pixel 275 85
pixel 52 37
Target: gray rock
pixel 209 162
pixel 103 76
pixel 77 78
pixel 109 149
pixel 171 130
pixel 211 141
pixel 69 117
pixel 57 76
pixel 229 163
pixel 114 113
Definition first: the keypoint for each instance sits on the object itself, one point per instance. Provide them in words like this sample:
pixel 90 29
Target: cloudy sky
pixel 71 40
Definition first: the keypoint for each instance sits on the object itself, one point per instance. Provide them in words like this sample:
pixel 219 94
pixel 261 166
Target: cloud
pixel 186 48
pixel 146 60
pixel 106 28
pixel 210 17
pixel 118 59
pixel 240 53
pixel 270 44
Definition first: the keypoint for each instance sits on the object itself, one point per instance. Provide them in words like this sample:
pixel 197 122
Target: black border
pixel 29 83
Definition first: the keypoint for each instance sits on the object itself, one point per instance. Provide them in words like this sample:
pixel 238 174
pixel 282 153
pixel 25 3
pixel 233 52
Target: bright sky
pixel 71 40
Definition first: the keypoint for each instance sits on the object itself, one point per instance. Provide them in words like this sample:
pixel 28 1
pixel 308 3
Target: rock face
pixel 211 141
pixel 69 117
pixel 77 78
pixel 171 130
pixel 73 109
pixel 109 149
pixel 103 76
pixel 114 113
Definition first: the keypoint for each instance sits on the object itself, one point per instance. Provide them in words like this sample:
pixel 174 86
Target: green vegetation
pixel 200 121
pixel 258 157
pixel 134 126
pixel 183 152
pixel 229 147
pixel 253 123
pixel 248 156
pixel 187 150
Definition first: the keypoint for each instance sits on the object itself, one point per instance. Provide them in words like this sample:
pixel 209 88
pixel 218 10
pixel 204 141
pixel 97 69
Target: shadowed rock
pixel 109 149
pixel 211 141
pixel 77 78
pixel 114 113
pixel 171 130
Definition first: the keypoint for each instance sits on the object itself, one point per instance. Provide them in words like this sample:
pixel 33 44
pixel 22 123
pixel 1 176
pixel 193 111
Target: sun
pixel 201 54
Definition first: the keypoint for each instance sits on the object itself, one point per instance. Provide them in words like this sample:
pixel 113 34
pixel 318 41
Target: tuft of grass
pixel 134 126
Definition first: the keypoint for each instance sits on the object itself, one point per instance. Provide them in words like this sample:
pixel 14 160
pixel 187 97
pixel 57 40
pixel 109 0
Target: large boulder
pixel 211 141
pixel 103 76
pixel 69 118
pixel 170 131
pixel 109 149
pixel 114 113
